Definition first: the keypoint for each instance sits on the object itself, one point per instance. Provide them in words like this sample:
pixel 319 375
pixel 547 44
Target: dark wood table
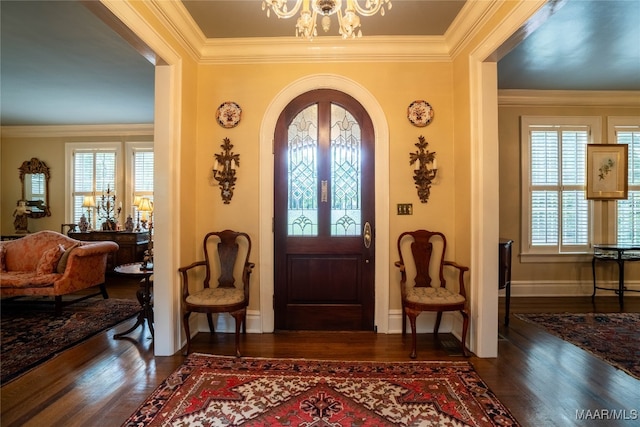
pixel 137 269
pixel 617 254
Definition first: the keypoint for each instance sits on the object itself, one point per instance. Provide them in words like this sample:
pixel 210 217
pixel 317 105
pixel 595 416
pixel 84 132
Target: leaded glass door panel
pixel 324 214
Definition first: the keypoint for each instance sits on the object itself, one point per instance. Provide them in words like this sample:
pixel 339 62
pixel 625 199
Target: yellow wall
pixel 394 86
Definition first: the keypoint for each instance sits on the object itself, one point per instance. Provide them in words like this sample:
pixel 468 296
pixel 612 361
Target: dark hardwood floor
pixel 543 380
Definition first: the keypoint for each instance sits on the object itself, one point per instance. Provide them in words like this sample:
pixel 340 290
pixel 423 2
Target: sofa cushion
pixel 49 260
pixel 27 279
pixel 62 264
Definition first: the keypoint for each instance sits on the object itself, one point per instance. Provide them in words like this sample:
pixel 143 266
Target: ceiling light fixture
pixel 348 20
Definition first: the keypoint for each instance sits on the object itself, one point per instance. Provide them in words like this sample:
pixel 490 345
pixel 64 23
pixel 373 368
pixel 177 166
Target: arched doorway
pixel 324 214
pixel 381 181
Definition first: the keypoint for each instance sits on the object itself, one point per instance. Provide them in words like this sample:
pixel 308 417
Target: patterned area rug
pixel 227 391
pixel 31 333
pixel 612 337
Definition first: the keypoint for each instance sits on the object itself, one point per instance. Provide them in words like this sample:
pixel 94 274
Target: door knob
pixel 367 235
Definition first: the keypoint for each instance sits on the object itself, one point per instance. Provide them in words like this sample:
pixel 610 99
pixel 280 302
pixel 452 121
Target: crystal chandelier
pixel 348 20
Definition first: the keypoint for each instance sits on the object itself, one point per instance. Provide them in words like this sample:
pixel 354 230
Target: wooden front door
pixel 324 214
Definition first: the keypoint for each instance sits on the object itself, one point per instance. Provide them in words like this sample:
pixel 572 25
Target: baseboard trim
pixel 568 288
pixel 224 322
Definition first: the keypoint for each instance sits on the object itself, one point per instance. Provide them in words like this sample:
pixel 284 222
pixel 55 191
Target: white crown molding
pixel 68 131
pixel 178 21
pixel 467 23
pixel 324 49
pixel 518 97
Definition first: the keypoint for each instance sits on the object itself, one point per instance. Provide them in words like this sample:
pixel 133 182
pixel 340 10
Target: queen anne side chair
pixel 225 296
pixel 427 293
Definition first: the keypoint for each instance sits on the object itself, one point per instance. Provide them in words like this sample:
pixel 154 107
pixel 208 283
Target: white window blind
pixel 559 210
pixel 142 175
pixel 628 211
pixel 94 172
pixel 556 216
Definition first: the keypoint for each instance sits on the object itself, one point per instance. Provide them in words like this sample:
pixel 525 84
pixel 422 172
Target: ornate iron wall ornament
pixel 224 170
pixel 425 169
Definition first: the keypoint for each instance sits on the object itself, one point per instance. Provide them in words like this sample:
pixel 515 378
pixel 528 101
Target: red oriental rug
pixel 227 391
pixel 612 337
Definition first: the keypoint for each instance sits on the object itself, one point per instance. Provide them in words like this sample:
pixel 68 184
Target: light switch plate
pixel 405 209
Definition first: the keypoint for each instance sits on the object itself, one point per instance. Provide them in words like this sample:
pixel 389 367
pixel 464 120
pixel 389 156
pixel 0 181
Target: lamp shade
pixel 136 201
pixel 145 205
pixel 88 202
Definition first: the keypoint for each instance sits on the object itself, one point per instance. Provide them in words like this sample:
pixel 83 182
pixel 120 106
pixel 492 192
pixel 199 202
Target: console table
pixel 617 254
pixel 132 245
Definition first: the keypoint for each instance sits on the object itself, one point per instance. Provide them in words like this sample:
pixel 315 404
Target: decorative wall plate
pixel 228 114
pixel 420 113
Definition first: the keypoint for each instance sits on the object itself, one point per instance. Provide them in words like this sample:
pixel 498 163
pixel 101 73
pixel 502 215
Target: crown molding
pixel 520 97
pixel 68 131
pixel 471 18
pixel 324 49
pixel 175 17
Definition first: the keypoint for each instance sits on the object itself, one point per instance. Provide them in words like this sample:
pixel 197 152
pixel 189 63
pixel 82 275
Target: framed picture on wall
pixel 607 171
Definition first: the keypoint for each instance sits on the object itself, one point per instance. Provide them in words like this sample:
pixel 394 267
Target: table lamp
pixel 136 203
pixel 89 202
pixel 146 207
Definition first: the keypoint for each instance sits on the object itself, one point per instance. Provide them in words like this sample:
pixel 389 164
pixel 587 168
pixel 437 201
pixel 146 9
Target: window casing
pixel 557 220
pixel 140 167
pixel 94 168
pixel 626 130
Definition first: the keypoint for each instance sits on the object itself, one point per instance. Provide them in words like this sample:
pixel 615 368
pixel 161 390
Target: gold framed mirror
pixel 34 177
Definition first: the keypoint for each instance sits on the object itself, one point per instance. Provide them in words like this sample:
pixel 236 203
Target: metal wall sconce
pixel 224 170
pixel 425 168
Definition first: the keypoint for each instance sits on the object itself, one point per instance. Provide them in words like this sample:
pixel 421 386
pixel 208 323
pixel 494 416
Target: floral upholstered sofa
pixel 48 263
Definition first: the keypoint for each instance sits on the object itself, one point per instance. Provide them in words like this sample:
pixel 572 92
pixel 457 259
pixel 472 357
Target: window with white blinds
pixel 95 168
pixel 141 174
pixel 556 215
pixel 94 173
pixel 627 131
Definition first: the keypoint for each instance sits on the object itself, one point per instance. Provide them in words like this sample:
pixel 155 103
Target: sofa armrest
pixel 94 248
pixel 86 267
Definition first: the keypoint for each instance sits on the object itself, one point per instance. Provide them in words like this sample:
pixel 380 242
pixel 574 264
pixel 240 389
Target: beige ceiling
pixel 243 18
pixel 60 64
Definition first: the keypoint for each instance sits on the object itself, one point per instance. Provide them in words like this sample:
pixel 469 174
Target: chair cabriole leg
pixel 465 328
pixel 412 322
pixel 185 322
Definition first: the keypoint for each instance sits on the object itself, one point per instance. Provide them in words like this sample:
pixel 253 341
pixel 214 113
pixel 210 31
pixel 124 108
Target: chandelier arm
pixel 349 29
pixel 375 7
pixel 279 11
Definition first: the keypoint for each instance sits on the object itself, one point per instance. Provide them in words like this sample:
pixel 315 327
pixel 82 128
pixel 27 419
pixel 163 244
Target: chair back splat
pixel 227 256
